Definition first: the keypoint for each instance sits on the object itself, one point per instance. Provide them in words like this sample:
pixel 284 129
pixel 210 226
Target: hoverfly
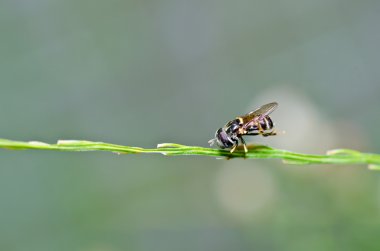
pixel 256 122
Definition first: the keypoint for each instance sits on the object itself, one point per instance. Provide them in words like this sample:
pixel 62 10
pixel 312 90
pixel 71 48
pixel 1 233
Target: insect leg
pixel 261 130
pixel 244 145
pixel 252 133
pixel 272 133
pixel 233 148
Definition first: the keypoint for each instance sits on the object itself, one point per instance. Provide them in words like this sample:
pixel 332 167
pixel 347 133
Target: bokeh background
pixel 145 72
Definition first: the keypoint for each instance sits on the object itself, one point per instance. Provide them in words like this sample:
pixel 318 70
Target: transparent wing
pixel 264 110
pixel 260 112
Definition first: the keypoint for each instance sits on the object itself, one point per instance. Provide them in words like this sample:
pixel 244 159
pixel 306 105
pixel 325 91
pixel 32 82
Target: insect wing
pixel 259 113
pixel 264 110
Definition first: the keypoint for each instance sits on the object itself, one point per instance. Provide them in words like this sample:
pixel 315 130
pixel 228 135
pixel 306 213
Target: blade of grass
pixel 337 156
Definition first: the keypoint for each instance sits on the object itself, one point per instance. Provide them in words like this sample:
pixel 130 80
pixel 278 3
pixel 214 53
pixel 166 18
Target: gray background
pixel 145 72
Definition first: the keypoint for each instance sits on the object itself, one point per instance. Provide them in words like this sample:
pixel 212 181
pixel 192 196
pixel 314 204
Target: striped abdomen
pixel 266 124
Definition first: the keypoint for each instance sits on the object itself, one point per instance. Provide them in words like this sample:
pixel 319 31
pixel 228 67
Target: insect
pixel 256 122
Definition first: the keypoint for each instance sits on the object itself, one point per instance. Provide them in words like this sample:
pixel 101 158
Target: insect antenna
pixel 212 141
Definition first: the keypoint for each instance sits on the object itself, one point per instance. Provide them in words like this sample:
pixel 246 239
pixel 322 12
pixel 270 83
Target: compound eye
pixel 223 139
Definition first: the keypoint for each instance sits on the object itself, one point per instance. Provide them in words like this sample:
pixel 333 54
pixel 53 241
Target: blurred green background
pixel 145 72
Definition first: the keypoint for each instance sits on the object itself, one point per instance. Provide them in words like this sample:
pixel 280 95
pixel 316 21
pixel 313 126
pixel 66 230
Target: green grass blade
pixel 337 156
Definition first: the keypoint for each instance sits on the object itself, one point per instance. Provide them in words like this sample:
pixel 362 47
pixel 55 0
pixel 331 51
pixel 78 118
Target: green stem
pixel 339 156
